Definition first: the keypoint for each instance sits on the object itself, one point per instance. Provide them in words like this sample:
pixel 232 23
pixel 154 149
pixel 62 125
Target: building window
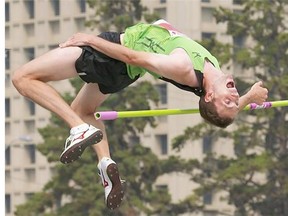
pixel 162 90
pixel 209 213
pixel 206 1
pixel 54 27
pixel 80 24
pixel 7 203
pixel 7 33
pixel 7 128
pixel 162 141
pixel 161 12
pixel 29 4
pixel 162 1
pixel 134 140
pixel 29 126
pixel 207 144
pixel 239 148
pixel 31 107
pixel 161 119
pixel 237 2
pixel 207 15
pixel 51 47
pixel 7 107
pixel 238 42
pixel 7 59
pixel 28 196
pixel 207 35
pixel 29 30
pixel 82 5
pixel 207 198
pixel 162 187
pixel 7 12
pixel 31 152
pixel 56 7
pixel 7 155
pixel 30 175
pixel 7 80
pixel 7 176
pixel 29 53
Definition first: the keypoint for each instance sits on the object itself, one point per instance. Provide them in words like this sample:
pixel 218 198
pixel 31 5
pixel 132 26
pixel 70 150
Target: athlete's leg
pixel 31 81
pixel 85 104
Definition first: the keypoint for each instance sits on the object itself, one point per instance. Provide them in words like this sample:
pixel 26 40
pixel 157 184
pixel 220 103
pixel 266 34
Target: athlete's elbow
pixel 130 58
pixel 134 58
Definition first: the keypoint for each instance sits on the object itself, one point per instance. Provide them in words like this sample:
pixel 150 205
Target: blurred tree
pixel 256 178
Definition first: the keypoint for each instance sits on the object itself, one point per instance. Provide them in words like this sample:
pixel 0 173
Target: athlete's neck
pixel 210 74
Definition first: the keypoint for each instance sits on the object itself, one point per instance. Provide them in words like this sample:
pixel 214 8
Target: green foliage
pixel 245 167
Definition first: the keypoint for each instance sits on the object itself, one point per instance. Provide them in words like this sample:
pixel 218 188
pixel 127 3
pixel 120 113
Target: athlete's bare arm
pixel 176 66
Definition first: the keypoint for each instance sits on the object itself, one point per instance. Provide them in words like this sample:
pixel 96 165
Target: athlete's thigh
pixel 57 64
pixel 88 99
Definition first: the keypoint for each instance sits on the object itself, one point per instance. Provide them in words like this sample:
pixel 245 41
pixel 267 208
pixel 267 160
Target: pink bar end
pixel 106 115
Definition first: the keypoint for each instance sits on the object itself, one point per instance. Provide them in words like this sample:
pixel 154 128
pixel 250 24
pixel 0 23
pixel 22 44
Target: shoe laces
pixel 71 138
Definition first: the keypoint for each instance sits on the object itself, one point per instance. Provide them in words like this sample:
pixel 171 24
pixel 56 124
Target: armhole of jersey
pixel 199 91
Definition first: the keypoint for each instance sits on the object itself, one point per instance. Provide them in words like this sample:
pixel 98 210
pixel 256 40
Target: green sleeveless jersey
pixel 162 38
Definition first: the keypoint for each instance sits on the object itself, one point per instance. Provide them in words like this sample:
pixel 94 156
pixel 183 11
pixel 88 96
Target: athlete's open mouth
pixel 230 84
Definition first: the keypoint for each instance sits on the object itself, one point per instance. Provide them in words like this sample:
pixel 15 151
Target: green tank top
pixel 162 38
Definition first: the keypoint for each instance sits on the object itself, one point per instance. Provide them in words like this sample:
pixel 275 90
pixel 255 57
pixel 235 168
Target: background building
pixel 34 27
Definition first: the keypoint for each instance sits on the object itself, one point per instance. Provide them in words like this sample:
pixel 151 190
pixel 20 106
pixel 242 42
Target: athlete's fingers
pixel 78 39
pixel 260 83
pixel 71 41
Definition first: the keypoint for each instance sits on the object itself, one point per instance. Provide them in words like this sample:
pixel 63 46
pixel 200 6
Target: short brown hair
pixel 209 113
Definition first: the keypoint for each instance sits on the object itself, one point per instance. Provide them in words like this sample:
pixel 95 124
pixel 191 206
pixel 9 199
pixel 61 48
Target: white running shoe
pixel 113 185
pixel 80 138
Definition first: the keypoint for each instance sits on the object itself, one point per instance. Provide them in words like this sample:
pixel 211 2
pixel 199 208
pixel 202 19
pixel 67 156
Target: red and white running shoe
pixel 113 185
pixel 80 138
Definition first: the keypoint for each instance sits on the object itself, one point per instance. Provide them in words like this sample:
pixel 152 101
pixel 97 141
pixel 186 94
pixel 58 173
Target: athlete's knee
pixel 21 81
pixel 82 111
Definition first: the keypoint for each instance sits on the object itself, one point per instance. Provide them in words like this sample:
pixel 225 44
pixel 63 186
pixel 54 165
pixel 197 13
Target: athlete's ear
pixel 209 96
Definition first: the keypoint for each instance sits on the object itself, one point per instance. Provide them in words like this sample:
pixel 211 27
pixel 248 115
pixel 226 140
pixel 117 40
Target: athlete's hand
pixel 78 39
pixel 258 94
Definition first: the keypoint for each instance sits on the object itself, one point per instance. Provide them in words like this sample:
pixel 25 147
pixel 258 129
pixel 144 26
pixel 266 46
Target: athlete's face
pixel 226 97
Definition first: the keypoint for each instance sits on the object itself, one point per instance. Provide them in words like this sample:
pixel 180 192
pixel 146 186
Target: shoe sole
pixel 75 151
pixel 116 195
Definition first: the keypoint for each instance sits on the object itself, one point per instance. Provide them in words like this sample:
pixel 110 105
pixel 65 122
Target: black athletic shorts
pixel 96 67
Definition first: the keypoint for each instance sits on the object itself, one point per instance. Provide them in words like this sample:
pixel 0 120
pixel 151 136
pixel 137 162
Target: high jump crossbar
pixel 112 115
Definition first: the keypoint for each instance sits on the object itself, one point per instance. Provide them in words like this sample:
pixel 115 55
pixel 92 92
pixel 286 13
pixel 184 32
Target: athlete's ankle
pixel 79 128
pixel 103 157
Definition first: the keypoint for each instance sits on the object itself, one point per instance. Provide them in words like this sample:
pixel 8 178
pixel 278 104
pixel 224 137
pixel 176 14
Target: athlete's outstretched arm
pixel 176 66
